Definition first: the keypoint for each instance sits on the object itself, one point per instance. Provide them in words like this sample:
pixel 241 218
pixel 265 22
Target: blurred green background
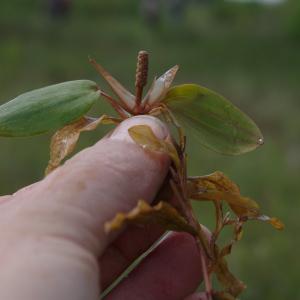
pixel 248 52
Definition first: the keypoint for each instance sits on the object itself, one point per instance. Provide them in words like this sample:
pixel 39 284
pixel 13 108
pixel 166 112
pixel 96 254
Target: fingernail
pixel 157 126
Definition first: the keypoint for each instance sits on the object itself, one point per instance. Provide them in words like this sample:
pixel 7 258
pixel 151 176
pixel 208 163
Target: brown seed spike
pixel 141 75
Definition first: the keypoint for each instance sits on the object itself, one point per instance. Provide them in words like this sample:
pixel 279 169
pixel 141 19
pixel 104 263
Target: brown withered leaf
pixel 275 222
pixel 226 250
pixel 217 186
pixel 144 136
pixel 232 285
pixel 238 233
pixel 220 180
pixel 162 213
pixel 64 140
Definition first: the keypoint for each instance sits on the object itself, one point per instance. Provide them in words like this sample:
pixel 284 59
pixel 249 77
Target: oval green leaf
pixel 47 108
pixel 219 124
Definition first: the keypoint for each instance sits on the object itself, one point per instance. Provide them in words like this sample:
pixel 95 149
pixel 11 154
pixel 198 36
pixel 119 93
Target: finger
pixel 197 296
pixel 133 242
pixel 172 271
pixel 78 198
pixel 3 199
pixel 60 219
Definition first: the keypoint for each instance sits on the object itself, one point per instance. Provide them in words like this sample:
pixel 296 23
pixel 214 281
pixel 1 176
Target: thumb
pixel 76 200
pixel 52 231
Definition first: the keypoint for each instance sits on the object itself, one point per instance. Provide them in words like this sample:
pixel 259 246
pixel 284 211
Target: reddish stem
pixel 118 108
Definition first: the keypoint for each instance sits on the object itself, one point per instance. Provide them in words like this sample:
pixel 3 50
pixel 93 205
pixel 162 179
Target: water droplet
pixel 260 141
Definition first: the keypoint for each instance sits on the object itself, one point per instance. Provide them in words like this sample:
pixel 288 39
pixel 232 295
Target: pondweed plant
pixel 217 123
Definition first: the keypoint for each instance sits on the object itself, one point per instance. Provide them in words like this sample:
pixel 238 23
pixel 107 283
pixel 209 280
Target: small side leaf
pixel 162 213
pixel 219 125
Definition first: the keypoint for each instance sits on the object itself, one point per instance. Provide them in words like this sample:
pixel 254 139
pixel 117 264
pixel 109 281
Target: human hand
pixel 52 242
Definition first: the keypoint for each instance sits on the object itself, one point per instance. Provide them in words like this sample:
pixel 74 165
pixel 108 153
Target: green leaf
pixel 47 108
pixel 220 125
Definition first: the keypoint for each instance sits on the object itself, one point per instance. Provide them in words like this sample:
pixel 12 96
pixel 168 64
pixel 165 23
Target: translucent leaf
pixel 47 108
pixel 144 136
pixel 217 123
pixel 143 214
pixel 160 87
pixel 64 140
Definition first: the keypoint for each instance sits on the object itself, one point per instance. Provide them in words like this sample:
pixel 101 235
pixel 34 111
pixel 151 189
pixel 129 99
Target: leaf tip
pixel 114 224
pixel 276 223
pixel 260 141
pixel 175 68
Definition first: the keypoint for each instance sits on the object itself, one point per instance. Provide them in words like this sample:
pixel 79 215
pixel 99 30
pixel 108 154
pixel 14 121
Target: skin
pixel 52 243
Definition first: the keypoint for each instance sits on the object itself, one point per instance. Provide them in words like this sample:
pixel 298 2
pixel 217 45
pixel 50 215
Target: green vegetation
pixel 248 53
